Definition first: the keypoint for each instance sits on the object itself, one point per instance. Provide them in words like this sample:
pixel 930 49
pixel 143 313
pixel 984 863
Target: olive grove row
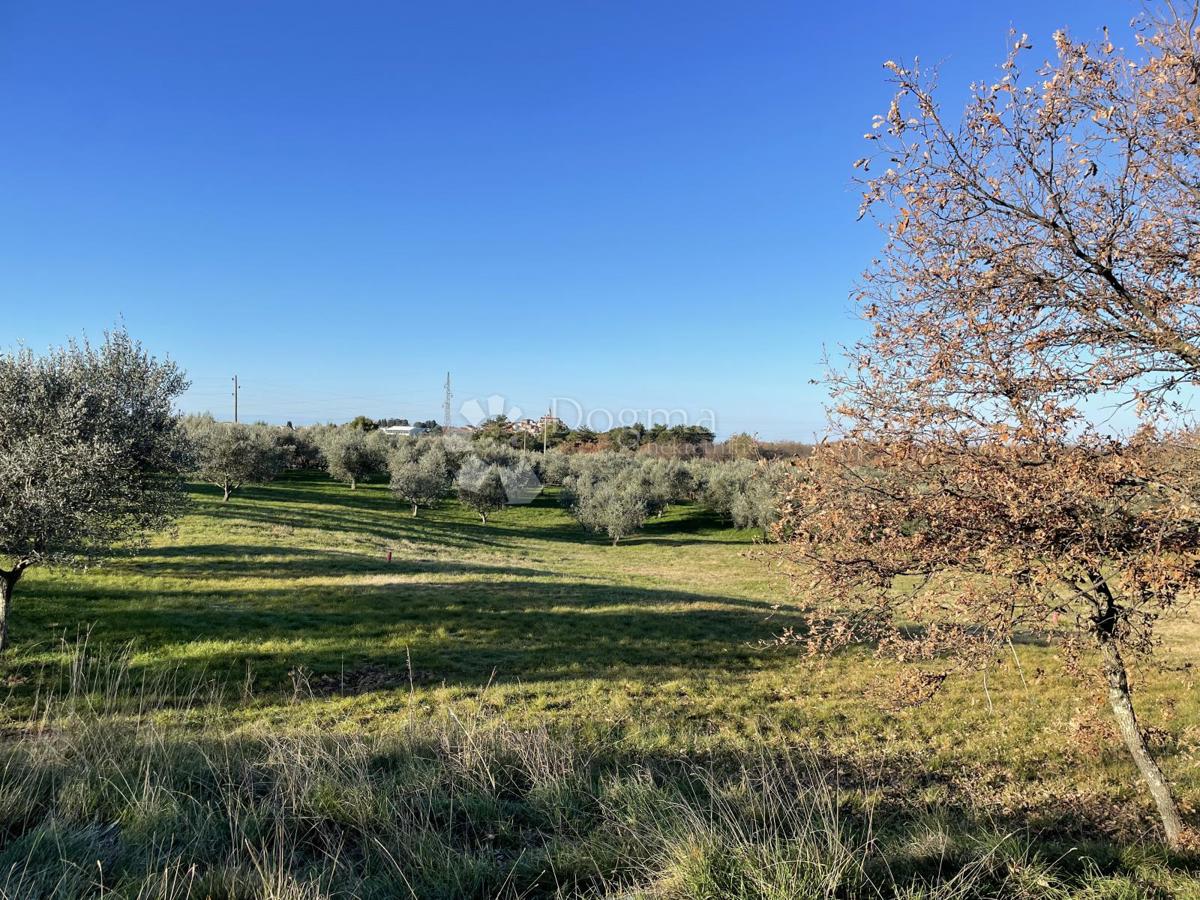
pixel 611 492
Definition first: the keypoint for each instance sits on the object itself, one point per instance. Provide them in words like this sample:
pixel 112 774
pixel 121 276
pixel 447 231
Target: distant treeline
pixel 668 441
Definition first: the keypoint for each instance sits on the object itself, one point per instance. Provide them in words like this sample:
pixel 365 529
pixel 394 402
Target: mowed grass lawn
pixel 282 603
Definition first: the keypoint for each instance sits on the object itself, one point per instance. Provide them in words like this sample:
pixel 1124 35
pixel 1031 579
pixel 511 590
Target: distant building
pixel 403 430
pixel 535 426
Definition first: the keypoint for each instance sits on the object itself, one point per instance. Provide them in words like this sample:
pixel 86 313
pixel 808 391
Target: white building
pixel 403 430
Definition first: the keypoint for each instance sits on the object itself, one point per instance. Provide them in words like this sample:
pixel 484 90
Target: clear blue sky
pixel 635 204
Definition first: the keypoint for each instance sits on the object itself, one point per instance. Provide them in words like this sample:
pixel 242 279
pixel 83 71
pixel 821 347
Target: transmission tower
pixel 446 404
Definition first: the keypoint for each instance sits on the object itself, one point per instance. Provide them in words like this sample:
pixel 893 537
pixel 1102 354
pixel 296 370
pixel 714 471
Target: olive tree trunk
pixel 8 581
pixel 1121 700
pixel 414 510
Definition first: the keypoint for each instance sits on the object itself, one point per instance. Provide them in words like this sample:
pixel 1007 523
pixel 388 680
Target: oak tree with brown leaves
pixel 1042 261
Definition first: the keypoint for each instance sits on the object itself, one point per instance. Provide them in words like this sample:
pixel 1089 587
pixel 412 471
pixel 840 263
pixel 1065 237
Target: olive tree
pixel 554 466
pixel 91 454
pixel 757 504
pixel 481 487
pixel 419 475
pixel 667 481
pixel 353 454
pixel 587 471
pixel 722 483
pixel 616 506
pixel 300 447
pixel 232 454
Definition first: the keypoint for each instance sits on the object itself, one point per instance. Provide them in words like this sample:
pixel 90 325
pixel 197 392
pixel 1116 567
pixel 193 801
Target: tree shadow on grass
pixel 216 561
pixel 389 527
pixel 466 632
pixel 329 506
pixel 504 531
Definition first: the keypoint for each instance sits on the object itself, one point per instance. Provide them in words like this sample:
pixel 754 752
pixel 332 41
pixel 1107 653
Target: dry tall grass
pixel 102 795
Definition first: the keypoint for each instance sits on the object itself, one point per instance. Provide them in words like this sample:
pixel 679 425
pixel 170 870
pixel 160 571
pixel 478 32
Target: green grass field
pixel 521 686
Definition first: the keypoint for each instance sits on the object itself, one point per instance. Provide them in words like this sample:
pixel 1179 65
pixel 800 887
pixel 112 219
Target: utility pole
pixel 545 432
pixel 446 405
pixel 235 397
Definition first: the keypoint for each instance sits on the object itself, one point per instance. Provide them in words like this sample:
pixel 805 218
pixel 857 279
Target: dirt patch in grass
pixel 367 679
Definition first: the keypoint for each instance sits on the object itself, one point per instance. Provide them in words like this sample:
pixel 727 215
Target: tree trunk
pixel 353 485
pixel 483 518
pixel 8 581
pixel 414 510
pixel 1135 742
pixel 226 490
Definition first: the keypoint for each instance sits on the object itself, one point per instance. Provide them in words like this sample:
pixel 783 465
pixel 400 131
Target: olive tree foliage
pixel 300 446
pixel 720 483
pixel 554 466
pixel 745 492
pixel 233 454
pixel 420 472
pixel 481 487
pixel 353 455
pixel 517 473
pixel 588 471
pixel 608 492
pixel 1041 254
pixel 521 482
pixel 91 454
pixel 757 504
pixel 616 506
pixel 667 481
pixel 495 453
pixel 583 473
